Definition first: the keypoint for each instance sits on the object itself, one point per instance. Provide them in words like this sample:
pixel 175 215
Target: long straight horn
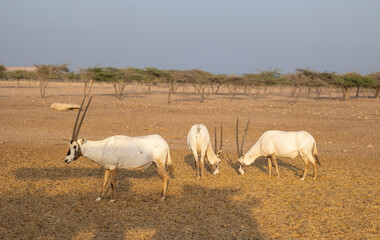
pixel 216 141
pixel 221 136
pixel 245 131
pixel 81 121
pixel 237 136
pixel 76 121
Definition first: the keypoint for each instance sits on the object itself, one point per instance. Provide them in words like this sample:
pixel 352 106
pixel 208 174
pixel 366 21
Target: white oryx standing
pixel 198 140
pixel 274 144
pixel 133 153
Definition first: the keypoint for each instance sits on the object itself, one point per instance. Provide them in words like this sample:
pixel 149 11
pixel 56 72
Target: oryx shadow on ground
pixel 262 164
pixel 197 213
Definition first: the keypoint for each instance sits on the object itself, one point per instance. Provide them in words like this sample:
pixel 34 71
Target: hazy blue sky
pixel 218 36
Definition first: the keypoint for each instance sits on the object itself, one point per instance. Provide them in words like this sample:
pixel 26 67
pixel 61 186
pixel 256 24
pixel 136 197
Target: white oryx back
pixel 283 144
pixel 198 141
pixel 274 143
pixel 198 138
pixel 135 153
pixel 127 152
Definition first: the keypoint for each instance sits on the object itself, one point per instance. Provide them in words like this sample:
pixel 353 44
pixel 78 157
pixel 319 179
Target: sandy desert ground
pixel 44 198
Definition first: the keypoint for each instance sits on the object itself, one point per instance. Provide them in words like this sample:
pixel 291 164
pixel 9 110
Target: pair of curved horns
pixel 240 151
pixel 76 129
pixel 221 139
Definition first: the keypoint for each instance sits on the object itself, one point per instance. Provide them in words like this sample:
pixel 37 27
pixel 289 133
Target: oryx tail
pixel 315 153
pixel 169 162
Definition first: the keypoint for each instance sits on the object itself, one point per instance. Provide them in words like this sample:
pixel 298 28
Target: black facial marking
pixel 78 153
pixel 214 167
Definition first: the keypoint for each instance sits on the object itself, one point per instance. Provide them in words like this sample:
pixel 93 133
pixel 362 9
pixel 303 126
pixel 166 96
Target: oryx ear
pixel 243 155
pixel 219 153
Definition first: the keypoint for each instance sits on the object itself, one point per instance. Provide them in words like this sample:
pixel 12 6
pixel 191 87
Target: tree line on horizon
pixel 248 83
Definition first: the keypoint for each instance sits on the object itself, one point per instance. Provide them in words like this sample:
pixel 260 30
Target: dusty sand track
pixel 43 198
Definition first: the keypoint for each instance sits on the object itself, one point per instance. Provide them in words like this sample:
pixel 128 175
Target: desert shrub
pixel 45 73
pixel 347 81
pixel 375 76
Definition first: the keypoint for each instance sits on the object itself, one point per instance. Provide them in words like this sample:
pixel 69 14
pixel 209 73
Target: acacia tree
pixel 263 80
pixel 376 82
pixel 121 80
pixel 45 73
pixel 234 82
pixel 270 78
pixel 254 81
pixel 329 79
pixel 347 81
pixel 87 76
pixel 153 75
pixel 198 79
pixel 216 81
pixel 313 79
pixel 105 74
pixel 295 81
pixel 18 75
pixel 246 82
pixel 363 82
pixel 70 76
pixel 172 77
pixel 2 71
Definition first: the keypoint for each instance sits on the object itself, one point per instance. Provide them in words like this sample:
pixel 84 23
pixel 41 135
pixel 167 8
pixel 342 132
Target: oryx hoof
pixel 98 199
pixel 112 200
pixel 163 197
pixel 302 179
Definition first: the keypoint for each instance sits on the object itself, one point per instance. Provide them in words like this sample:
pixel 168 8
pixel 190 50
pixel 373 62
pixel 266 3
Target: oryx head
pixel 242 165
pixel 75 144
pixel 215 166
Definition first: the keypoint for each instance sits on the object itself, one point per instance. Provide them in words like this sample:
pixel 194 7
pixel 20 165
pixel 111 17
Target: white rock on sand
pixel 64 106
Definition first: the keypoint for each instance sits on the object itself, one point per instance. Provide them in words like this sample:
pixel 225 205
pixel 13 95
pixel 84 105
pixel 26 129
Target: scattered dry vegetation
pixel 44 198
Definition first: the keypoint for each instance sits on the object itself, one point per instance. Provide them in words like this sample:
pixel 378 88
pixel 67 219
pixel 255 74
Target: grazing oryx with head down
pixel 274 144
pixel 198 140
pixel 134 153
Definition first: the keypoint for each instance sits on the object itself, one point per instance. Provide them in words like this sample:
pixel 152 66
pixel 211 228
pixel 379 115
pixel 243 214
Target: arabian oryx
pixel 133 153
pixel 274 144
pixel 198 140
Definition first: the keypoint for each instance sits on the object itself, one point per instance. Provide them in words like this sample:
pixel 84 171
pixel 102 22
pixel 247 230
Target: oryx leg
pixel 113 185
pixel 160 167
pixel 274 160
pixel 269 166
pixel 307 162
pixel 195 154
pixel 202 163
pixel 104 184
pixel 315 170
pixel 312 160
